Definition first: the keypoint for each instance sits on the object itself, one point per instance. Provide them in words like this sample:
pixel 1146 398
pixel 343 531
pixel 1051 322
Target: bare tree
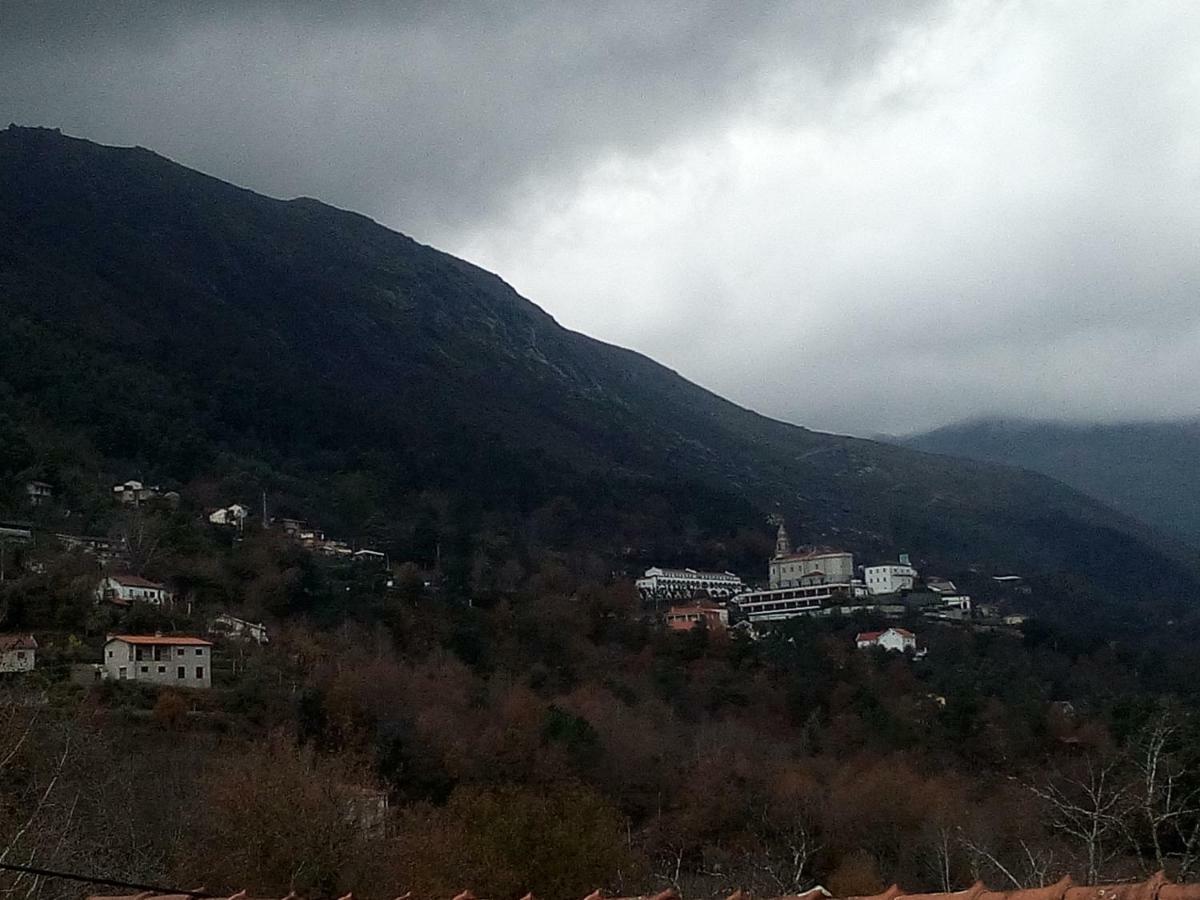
pixel 1031 869
pixel 790 845
pixel 1168 793
pixel 1092 808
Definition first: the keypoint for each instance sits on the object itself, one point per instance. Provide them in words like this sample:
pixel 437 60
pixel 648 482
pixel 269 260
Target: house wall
pixel 890 640
pixel 18 660
pixel 155 596
pixel 889 579
pixel 118 654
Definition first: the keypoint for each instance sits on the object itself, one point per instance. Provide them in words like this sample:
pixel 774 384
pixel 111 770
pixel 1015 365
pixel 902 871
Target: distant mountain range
pixel 1150 470
pixel 159 322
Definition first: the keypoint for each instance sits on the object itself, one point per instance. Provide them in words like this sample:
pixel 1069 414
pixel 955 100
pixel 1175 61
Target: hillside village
pixel 824 581
pixel 119 596
pixel 817 581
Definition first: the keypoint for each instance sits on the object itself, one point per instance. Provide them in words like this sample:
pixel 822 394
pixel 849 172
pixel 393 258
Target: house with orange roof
pixel 685 617
pixel 898 639
pixel 174 660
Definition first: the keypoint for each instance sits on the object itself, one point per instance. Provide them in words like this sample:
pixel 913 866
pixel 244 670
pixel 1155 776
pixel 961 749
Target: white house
pixel 683 584
pixel 159 659
pixel 38 492
pixel 122 590
pixel 889 578
pixel 898 639
pixel 233 516
pixel 133 492
pixel 376 557
pixel 18 653
pixel 233 627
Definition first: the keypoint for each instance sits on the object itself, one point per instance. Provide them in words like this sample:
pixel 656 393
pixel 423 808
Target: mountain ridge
pixel 1143 468
pixel 304 346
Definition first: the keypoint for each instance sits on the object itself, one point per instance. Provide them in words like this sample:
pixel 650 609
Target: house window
pixel 122 673
pixel 179 651
pixel 200 672
pixel 145 669
pixel 162 670
pixel 110 654
pixel 199 652
pixel 181 672
pixel 20 654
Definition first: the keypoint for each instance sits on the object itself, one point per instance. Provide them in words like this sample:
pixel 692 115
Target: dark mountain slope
pixel 182 327
pixel 1147 469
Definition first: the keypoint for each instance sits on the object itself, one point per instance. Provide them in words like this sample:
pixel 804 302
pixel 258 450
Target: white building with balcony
pixel 169 661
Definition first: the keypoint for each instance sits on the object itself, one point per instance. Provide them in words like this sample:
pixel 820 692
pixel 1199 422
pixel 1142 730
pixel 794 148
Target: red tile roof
pixel 1154 888
pixel 181 640
pixel 875 635
pixel 17 642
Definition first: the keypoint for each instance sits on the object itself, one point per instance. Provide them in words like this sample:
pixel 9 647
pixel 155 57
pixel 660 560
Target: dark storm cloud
pixel 858 215
pixel 424 114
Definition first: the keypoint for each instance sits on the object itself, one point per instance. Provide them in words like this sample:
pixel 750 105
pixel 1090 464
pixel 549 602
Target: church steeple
pixel 783 546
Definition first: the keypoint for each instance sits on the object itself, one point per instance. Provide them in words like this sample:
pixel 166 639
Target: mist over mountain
pixel 1146 469
pixel 161 322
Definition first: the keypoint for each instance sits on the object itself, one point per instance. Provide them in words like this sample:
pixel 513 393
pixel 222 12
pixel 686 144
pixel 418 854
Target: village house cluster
pixel 816 581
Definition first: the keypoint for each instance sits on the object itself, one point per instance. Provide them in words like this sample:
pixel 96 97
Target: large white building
pixel 805 568
pixel 778 604
pixel 18 653
pixel 818 566
pixel 889 578
pixel 683 584
pixel 159 659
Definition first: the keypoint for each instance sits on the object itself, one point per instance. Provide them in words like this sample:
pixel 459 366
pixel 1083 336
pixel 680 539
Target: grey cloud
pixel 862 216
pixel 423 115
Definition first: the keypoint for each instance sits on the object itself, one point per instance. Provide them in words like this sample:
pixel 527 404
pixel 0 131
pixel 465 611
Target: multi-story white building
pixel 821 565
pixel 122 590
pixel 18 653
pixel 159 659
pixel 889 578
pixel 684 584
pixel 778 604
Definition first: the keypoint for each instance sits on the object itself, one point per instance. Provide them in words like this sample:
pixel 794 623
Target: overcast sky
pixel 859 216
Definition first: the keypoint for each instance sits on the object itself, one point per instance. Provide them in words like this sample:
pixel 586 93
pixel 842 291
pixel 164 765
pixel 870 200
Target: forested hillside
pixel 163 324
